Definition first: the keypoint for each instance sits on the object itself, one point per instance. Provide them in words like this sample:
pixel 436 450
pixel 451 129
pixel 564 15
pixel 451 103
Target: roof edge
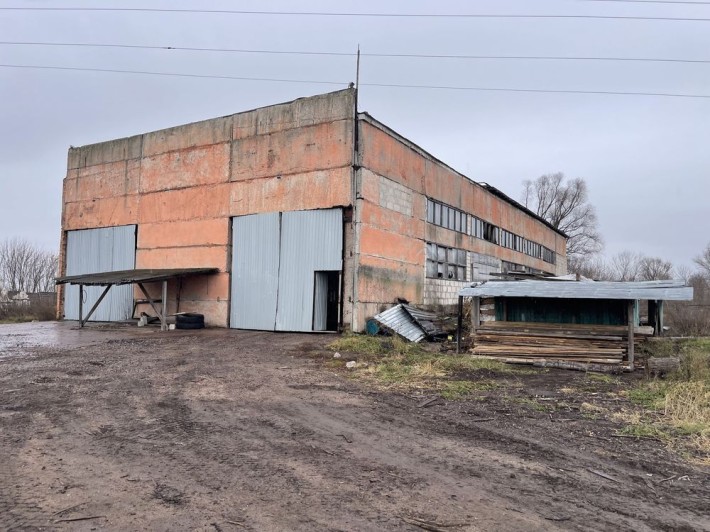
pixel 367 117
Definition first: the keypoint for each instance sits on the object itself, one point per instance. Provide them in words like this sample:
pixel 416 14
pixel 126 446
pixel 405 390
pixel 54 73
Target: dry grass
pixel 677 409
pixel 393 363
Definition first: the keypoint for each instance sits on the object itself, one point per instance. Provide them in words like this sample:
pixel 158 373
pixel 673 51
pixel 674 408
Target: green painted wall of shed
pixel 582 311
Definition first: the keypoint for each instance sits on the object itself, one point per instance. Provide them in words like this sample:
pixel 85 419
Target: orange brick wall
pixel 181 186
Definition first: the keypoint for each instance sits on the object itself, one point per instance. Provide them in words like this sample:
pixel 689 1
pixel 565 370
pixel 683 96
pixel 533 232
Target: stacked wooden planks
pixel 530 342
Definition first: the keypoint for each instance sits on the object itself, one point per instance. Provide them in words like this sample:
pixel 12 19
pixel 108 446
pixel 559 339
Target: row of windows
pixel 445 263
pixel 456 220
pixel 448 217
pixel 513 267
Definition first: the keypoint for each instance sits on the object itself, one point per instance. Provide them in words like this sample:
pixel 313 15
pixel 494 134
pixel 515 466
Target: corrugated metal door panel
pixel 310 241
pixel 320 302
pixel 255 271
pixel 100 250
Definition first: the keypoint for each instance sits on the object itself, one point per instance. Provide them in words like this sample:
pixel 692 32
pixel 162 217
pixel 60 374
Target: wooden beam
pixel 630 348
pixel 459 327
pixel 101 297
pixel 476 314
pixel 164 306
pixel 150 300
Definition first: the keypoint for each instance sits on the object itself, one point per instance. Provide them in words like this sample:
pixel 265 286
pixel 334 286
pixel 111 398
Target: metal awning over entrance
pixel 138 277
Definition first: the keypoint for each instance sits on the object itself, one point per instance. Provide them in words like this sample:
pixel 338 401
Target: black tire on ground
pixel 190 318
pixel 179 325
pixel 189 321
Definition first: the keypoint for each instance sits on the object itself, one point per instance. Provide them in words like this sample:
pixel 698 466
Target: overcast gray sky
pixel 646 158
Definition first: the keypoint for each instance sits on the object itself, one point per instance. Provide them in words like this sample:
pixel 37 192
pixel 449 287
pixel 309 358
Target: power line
pixel 352 54
pixel 389 85
pixel 174 74
pixel 354 14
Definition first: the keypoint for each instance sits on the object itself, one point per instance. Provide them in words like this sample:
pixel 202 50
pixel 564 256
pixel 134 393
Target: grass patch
pixel 398 364
pixel 602 377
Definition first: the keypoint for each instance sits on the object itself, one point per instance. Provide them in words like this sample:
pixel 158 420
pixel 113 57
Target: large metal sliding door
pixel 100 250
pixel 276 256
pixel 255 271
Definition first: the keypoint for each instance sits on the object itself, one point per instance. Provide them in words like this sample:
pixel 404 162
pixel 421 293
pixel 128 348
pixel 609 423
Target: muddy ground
pixel 226 430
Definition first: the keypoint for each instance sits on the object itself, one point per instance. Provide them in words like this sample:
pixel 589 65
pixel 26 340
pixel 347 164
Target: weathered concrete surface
pixel 181 185
pixel 396 177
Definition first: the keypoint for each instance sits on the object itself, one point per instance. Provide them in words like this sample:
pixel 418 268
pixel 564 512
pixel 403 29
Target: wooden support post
pixel 101 297
pixel 81 305
pixel 630 349
pixel 659 317
pixel 150 299
pixel 164 308
pixel 459 326
pixel 475 315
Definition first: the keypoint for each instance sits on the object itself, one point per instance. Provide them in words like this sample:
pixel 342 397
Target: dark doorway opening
pixel 326 301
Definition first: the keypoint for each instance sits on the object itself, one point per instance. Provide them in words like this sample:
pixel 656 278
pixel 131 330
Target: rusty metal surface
pixel 426 320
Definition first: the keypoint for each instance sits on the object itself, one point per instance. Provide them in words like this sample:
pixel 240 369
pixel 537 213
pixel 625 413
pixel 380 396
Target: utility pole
pixel 357 68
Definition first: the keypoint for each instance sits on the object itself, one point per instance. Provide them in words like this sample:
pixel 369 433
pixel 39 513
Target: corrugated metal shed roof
pixel 399 320
pixel 132 276
pixel 672 290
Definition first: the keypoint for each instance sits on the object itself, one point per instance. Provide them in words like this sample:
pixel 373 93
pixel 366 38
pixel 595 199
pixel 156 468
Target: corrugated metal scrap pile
pixel 411 323
pixel 527 343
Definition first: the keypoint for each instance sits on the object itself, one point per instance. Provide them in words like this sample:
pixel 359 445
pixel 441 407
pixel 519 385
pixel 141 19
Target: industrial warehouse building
pixel 316 217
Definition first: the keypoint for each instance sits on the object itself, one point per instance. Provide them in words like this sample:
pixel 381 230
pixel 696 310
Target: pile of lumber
pixel 531 342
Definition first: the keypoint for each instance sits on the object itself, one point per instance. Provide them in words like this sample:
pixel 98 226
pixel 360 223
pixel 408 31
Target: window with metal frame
pixel 445 262
pixel 448 217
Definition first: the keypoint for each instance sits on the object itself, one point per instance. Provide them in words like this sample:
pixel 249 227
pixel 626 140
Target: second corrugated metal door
pixel 274 264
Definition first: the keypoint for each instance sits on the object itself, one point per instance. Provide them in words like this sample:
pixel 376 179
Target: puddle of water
pixel 18 339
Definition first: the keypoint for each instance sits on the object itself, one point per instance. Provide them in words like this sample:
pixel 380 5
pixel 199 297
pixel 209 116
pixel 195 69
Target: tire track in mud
pixel 187 430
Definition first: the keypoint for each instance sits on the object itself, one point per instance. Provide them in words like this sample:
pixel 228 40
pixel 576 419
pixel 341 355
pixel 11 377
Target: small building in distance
pixel 317 217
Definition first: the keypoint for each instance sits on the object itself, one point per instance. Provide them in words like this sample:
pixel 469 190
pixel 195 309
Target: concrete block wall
pixel 182 185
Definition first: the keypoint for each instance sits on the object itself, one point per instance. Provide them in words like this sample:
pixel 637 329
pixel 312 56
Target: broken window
pixel 445 263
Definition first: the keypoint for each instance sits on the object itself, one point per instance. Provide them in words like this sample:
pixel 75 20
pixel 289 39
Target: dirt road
pixel 225 430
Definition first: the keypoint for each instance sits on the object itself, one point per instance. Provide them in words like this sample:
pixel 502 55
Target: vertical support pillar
pixel 475 315
pixel 459 326
pixel 659 317
pixel 630 349
pixel 164 307
pixel 81 305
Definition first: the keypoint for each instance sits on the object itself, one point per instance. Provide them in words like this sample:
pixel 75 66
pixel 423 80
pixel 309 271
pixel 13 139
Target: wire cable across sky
pixel 367 84
pixel 359 14
pixel 363 54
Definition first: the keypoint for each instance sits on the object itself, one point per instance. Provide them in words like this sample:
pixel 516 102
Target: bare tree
pixel 25 267
pixel 655 269
pixel 625 266
pixel 566 206
pixel 594 268
pixel 703 261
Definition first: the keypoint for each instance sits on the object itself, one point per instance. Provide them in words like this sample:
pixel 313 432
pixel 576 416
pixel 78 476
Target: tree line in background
pixel 25 267
pixel 565 205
